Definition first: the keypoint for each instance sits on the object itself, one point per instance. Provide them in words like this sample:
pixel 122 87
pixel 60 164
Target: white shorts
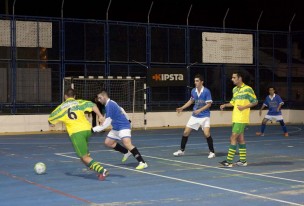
pixel 118 135
pixel 195 122
pixel 274 117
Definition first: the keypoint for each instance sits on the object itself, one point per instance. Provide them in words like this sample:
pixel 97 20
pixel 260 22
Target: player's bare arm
pixel 241 108
pixel 208 105
pixel 188 104
pixel 279 107
pixel 260 112
pixel 225 105
pixel 98 113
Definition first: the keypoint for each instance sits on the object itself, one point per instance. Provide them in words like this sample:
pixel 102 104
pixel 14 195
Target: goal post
pixel 129 92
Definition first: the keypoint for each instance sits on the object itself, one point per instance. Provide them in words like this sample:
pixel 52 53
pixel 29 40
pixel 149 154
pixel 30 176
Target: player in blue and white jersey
pixel 121 130
pixel 274 103
pixel 201 97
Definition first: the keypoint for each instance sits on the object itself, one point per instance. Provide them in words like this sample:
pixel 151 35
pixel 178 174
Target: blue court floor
pixel 274 175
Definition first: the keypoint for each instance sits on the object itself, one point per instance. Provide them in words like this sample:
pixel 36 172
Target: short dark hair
pixel 70 92
pixel 103 92
pixel 240 74
pixel 200 77
pixel 272 88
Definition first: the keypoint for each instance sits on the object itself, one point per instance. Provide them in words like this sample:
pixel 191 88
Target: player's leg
pixel 242 150
pixel 263 127
pixel 128 144
pixel 237 130
pixel 193 123
pixel 111 142
pixel 184 140
pixel 80 144
pixel 282 123
pixel 206 130
pixel 126 140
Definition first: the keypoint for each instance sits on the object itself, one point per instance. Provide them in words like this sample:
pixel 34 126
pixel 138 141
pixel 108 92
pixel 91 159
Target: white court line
pixel 195 183
pixel 284 171
pixel 138 139
pixel 221 168
pixel 169 146
pixel 201 165
pixel 298 129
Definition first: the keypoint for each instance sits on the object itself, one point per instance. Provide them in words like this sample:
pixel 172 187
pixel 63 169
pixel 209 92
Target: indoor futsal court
pixel 157 68
pixel 274 175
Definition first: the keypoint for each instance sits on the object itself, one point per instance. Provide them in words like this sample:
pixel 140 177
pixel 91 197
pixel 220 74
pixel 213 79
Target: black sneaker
pixel 226 164
pixel 240 163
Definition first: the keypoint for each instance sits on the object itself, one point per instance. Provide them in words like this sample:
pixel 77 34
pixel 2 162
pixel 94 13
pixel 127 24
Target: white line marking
pixel 196 183
pixel 284 171
pixel 221 168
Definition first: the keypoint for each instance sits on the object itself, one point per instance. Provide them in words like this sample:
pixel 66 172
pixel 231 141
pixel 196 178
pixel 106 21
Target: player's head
pixel 237 78
pixel 271 90
pixel 198 80
pixel 69 93
pixel 103 97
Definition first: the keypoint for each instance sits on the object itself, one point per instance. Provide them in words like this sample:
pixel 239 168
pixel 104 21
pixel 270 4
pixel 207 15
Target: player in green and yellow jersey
pixel 243 99
pixel 72 114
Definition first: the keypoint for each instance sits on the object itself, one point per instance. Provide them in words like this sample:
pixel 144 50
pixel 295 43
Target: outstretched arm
pixel 263 106
pixel 105 124
pixel 225 105
pixel 98 113
pixel 185 106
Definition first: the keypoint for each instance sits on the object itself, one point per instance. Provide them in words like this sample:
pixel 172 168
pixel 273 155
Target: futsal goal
pixel 129 92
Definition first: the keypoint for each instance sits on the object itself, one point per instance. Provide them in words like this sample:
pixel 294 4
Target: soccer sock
pixel 210 144
pixel 120 148
pixel 231 153
pixel 93 165
pixel 184 142
pixel 282 123
pixel 243 152
pixel 263 126
pixel 137 155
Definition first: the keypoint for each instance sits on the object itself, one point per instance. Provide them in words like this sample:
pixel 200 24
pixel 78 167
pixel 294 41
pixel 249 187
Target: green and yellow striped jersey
pixel 71 113
pixel 242 96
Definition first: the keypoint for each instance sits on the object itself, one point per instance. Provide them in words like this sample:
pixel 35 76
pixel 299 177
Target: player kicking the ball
pixel 71 113
pixel 121 130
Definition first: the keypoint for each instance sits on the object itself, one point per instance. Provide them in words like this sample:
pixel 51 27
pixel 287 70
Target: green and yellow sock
pixel 231 153
pixel 93 165
pixel 243 152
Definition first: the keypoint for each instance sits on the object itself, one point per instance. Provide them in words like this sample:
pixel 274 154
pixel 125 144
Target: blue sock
pixel 263 126
pixel 283 126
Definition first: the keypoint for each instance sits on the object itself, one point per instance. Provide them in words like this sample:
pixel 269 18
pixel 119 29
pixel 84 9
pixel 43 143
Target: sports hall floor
pixel 274 176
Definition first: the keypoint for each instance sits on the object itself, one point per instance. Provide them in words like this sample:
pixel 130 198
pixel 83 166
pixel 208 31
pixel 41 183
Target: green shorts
pixel 80 142
pixel 238 128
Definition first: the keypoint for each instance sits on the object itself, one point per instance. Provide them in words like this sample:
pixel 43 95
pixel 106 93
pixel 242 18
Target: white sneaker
pixel 126 156
pixel 179 153
pixel 211 155
pixel 141 165
pixel 242 164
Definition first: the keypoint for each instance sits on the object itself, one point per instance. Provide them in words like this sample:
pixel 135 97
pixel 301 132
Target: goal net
pixel 128 92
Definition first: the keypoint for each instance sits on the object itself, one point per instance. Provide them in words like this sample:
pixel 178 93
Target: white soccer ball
pixel 40 168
